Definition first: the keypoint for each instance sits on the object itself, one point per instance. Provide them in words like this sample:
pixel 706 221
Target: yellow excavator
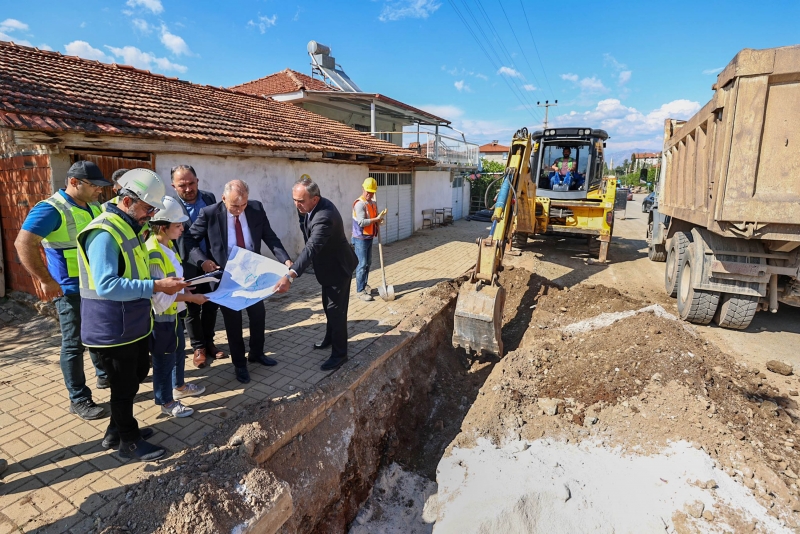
pixel 553 185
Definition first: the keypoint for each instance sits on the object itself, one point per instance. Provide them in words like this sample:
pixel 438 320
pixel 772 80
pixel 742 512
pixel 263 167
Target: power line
pixel 502 46
pixel 519 45
pixel 489 57
pixel 522 5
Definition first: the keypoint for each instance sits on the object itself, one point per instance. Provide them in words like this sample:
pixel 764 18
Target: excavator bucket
pixel 479 318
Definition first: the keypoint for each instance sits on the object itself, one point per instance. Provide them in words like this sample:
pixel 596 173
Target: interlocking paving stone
pixel 59 477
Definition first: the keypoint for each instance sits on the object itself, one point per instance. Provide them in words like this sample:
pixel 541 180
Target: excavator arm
pixel 478 319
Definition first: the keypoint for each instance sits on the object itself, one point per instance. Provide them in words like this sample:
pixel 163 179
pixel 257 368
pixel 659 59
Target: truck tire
pixel 655 252
pixel 677 248
pixel 694 305
pixel 736 311
pixel 519 239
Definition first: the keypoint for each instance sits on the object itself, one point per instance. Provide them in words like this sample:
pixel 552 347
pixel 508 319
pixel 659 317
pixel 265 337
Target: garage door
pixel 458 197
pixel 394 195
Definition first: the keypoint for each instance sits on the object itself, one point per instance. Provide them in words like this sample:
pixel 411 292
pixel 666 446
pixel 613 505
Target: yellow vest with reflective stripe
pixel 63 241
pixel 156 256
pixel 114 201
pixel 109 323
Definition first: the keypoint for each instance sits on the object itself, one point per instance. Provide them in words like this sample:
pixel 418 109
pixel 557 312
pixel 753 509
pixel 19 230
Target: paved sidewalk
pixel 57 468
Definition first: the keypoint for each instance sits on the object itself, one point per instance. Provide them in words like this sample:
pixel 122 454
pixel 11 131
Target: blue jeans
pixel 168 368
pixel 69 317
pixel 363 248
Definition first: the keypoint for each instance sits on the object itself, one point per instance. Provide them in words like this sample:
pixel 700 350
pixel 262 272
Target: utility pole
pixel 546 107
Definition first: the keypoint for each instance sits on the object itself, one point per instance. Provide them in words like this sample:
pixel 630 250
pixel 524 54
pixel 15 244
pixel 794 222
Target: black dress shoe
pixel 242 374
pixel 111 439
pixel 333 363
pixel 322 344
pixel 263 360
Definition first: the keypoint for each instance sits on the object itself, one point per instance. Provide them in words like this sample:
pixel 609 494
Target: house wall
pixel 360 119
pixel 495 156
pixel 466 200
pixel 431 190
pixel 271 181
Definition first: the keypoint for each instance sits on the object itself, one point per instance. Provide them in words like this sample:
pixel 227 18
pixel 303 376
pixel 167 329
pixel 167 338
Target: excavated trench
pixel 404 404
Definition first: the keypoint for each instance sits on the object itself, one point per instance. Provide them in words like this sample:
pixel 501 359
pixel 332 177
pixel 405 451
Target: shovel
pixel 386 292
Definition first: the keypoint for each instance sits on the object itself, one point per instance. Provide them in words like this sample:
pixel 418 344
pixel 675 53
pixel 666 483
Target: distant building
pixel 494 151
pixel 648 159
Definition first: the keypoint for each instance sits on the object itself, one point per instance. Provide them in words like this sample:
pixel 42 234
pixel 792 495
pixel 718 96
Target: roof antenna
pixel 324 64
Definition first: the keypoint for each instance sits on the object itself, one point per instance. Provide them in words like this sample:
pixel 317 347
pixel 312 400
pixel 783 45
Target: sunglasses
pixel 150 210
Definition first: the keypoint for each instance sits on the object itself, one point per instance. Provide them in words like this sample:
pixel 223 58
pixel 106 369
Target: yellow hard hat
pixel 370 185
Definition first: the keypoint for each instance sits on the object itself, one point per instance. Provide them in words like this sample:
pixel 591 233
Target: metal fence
pixel 440 148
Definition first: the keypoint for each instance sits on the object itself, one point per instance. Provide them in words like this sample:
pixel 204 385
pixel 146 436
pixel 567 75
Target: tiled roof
pixel 285 81
pixel 647 155
pixel 492 147
pixel 46 91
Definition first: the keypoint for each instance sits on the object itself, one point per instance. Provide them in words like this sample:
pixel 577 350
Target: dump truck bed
pixel 734 167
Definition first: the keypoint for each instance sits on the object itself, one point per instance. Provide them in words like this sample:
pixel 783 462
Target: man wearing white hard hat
pixel 167 342
pixel 116 288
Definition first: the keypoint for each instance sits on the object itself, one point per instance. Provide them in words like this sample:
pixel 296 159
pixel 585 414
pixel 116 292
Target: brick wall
pixel 24 181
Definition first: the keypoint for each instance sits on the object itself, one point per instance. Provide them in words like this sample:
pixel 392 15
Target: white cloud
pixel 174 43
pixel 461 86
pixel 144 60
pixel 529 87
pixel 445 111
pixel 152 5
pixel 45 46
pixel 624 77
pixel 264 22
pixel 570 77
pixel 413 9
pixel 592 85
pixel 482 76
pixel 9 25
pixel 508 71
pixel 608 59
pixel 620 120
pixel 141 25
pixel 708 72
pixel 86 51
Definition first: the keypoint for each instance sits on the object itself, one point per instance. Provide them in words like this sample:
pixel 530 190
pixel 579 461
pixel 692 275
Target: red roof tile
pixel 489 148
pixel 285 81
pixel 647 155
pixel 46 91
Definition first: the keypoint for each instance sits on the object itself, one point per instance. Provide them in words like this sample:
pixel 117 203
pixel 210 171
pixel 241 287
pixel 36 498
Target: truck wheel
pixel 519 239
pixel 594 246
pixel 736 311
pixel 677 248
pixel 694 305
pixel 655 252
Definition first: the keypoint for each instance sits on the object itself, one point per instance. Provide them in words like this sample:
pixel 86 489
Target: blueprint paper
pixel 247 280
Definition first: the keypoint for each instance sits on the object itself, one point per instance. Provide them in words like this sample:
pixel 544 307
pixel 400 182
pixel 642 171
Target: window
pixel 380 177
pixel 361 128
pixel 405 178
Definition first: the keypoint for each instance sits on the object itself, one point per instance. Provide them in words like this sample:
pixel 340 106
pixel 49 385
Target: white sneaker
pixel 177 410
pixel 368 289
pixel 191 390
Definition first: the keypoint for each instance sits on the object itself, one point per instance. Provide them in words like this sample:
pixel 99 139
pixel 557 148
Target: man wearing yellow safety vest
pixel 366 220
pixel 167 342
pixel 54 224
pixel 116 289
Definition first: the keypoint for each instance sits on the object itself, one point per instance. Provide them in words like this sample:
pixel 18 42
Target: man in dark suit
pixel 236 222
pixel 201 318
pixel 334 263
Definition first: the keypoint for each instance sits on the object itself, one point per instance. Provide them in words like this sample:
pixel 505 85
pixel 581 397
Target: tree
pixel 633 161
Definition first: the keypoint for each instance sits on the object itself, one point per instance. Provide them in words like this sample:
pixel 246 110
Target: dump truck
pixel 726 220
pixel 535 199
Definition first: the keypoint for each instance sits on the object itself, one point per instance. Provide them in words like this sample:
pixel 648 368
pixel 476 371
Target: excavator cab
pixel 583 147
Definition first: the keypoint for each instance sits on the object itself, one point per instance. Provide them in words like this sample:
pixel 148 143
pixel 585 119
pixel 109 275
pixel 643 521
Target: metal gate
pixel 457 197
pixel 395 195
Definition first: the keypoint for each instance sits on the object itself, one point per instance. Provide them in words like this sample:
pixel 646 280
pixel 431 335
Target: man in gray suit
pixel 200 319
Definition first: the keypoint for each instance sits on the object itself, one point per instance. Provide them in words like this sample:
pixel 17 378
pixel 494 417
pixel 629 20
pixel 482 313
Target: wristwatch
pixel 291 280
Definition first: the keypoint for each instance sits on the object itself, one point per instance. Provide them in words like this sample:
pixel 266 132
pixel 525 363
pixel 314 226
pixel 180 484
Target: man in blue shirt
pixel 54 225
pixel 201 318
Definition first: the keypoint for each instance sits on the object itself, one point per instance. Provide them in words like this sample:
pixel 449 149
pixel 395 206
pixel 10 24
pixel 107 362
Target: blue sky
pixel 620 65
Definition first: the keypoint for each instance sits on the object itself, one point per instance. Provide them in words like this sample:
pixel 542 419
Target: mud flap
pixel 478 321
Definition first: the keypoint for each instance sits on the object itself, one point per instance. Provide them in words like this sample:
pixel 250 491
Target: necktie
pixel 305 226
pixel 239 234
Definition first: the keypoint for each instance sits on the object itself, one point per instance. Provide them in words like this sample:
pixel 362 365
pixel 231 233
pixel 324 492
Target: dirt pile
pixel 639 381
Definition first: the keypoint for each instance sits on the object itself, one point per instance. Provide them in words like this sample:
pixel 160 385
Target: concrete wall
pixel 494 156
pixel 270 181
pixel 431 190
pixel 360 119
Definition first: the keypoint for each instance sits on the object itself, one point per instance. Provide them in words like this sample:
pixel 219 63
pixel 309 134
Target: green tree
pixel 482 181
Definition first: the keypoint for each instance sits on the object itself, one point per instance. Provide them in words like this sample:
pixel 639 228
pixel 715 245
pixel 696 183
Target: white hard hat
pixel 172 212
pixel 146 184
